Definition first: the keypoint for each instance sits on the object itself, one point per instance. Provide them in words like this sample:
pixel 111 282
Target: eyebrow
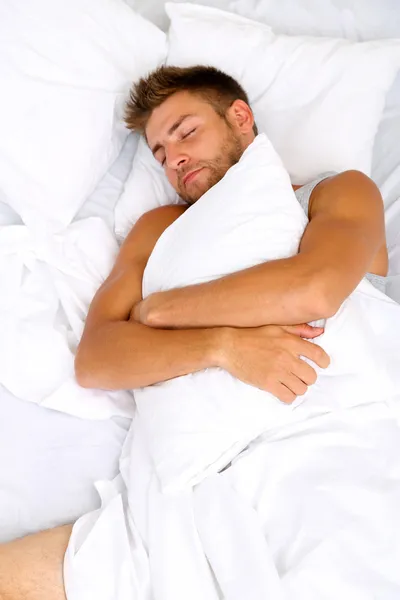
pixel 171 130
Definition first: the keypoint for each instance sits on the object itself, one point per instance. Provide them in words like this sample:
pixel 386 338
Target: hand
pixel 145 311
pixel 153 311
pixel 138 312
pixel 269 358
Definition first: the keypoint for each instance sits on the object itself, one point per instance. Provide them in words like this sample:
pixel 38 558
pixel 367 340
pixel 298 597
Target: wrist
pixel 222 340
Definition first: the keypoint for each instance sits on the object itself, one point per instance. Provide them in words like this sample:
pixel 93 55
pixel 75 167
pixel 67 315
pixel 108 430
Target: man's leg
pixel 31 568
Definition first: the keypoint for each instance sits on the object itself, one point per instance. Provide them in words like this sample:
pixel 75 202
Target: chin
pixel 198 193
pixel 195 193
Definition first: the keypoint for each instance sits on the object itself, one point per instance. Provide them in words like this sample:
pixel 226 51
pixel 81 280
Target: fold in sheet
pixel 307 511
pixel 48 282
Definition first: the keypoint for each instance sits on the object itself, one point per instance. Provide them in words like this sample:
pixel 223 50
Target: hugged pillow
pixel 197 423
pixel 64 70
pixel 319 100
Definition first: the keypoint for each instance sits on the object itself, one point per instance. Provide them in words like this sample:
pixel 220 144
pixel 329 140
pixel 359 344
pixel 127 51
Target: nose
pixel 175 158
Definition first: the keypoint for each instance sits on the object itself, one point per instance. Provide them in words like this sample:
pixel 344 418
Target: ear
pixel 241 116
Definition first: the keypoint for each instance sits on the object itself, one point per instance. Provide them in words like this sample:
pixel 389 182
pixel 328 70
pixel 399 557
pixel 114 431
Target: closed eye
pixel 184 136
pixel 189 133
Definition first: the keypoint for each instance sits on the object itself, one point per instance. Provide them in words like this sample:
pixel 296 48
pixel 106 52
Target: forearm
pixel 339 245
pixel 126 355
pixel 335 253
pixel 279 292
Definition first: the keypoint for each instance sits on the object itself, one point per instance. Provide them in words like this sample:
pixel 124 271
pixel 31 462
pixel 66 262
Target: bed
pixel 50 460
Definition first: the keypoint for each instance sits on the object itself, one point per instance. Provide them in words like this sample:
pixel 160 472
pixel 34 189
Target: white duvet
pixel 226 493
pixel 48 283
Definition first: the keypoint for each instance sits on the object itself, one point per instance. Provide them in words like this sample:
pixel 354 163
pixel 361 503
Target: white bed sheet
pixel 49 461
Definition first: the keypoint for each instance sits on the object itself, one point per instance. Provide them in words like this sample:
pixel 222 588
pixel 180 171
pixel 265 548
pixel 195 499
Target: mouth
pixel 190 176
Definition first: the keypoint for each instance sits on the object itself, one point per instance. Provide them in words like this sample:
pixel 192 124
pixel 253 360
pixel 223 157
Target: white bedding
pixel 353 19
pixel 330 486
pixel 49 460
pixel 65 68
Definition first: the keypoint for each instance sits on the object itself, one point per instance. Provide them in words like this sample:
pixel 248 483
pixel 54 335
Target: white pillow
pixel 386 161
pixel 351 19
pixel 64 70
pixel 197 423
pixel 146 188
pixel 393 239
pixel 319 100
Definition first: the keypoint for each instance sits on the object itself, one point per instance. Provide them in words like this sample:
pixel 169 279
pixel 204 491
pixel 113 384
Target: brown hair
pixel 215 86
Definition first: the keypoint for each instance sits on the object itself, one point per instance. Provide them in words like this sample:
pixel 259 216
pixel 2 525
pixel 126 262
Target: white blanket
pixel 48 282
pixel 225 492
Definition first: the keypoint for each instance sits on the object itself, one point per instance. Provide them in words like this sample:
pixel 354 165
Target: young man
pixel 197 122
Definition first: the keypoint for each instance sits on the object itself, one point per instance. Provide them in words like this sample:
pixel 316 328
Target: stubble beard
pixel 229 154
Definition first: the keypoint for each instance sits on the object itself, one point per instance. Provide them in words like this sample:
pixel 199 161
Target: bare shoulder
pixel 350 178
pixel 352 198
pixel 142 238
pixel 350 190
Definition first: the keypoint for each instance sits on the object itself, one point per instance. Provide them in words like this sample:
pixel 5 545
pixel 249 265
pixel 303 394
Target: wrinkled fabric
pixel 48 282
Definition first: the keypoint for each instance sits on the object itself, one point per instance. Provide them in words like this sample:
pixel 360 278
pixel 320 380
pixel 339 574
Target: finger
pixel 314 353
pixel 304 371
pixel 284 394
pixel 135 312
pixel 293 383
pixel 281 392
pixel 304 330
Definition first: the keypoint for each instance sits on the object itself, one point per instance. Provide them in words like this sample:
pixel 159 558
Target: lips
pixel 191 175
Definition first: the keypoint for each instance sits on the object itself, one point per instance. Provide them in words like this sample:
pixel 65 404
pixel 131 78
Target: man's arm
pixel 116 352
pixel 345 232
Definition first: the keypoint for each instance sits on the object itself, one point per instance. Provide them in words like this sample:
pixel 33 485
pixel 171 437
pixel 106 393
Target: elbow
pixel 82 376
pixel 327 307
pixel 322 302
pixel 92 372
pixel 85 375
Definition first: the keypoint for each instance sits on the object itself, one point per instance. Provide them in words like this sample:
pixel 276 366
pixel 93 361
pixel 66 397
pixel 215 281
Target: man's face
pixel 194 144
